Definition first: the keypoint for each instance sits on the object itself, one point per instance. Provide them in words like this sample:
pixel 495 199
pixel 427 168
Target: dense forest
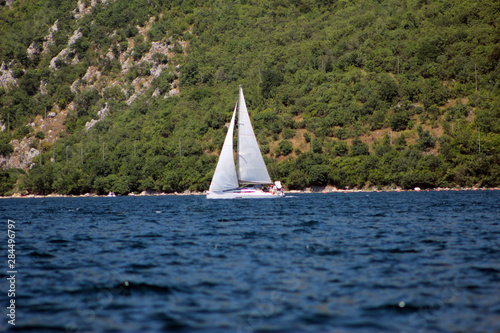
pixel 352 94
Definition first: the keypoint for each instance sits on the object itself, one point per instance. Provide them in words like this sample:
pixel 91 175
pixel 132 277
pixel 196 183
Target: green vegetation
pixel 388 88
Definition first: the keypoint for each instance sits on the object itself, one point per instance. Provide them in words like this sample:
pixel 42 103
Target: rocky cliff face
pixel 52 124
pixel 7 79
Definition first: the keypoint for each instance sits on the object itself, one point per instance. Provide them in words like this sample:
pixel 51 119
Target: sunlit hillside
pixel 132 96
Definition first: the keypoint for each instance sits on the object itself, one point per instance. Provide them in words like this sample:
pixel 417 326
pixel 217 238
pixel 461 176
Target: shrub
pixel 285 148
pixel 40 135
pixel 359 148
pixel 425 140
pixel 288 133
pixel 318 175
pixel 22 131
pixel 5 148
pixel 296 180
pixel 399 121
pixel 340 149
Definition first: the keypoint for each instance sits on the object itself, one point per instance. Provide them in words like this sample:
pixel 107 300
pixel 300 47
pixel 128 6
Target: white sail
pixel 225 173
pixel 251 166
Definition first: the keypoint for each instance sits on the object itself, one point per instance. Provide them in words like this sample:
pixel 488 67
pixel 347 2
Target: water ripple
pixel 357 262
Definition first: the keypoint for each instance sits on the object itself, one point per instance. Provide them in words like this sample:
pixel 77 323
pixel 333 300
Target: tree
pixel 296 180
pixel 285 148
pixel 271 78
pixel 5 147
pixel 359 148
pixel 425 140
pixel 40 135
pixel 340 149
pixel 40 179
pixel 387 88
pixel 318 175
pixel 399 121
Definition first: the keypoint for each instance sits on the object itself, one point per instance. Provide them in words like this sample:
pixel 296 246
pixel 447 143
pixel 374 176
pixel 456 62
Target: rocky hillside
pixel 132 96
pixel 151 63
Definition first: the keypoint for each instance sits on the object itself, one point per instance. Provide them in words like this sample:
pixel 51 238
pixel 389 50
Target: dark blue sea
pixel 338 262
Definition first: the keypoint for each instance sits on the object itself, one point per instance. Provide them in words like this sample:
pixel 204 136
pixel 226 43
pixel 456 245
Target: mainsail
pixel 251 166
pixel 225 173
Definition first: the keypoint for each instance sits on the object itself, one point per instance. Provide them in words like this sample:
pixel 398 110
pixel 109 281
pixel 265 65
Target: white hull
pixel 244 194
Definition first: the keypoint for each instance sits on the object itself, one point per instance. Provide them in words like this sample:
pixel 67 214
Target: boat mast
pixel 237 126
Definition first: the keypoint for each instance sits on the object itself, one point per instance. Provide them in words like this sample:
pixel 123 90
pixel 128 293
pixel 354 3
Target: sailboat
pixel 250 179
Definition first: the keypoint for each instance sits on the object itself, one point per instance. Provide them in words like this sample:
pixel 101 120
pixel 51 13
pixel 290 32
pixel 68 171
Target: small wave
pixel 401 307
pixel 252 235
pixel 37 254
pixel 399 250
pixel 58 241
pixel 145 287
pixel 150 235
pixel 209 284
pixel 45 307
pixel 329 252
pixel 323 250
pixel 142 266
pixel 151 221
pixel 317 318
pixel 138 245
pixel 370 325
pixel 170 323
pixel 308 223
pixel 82 238
pixel 488 270
pixel 39 328
pixel 301 230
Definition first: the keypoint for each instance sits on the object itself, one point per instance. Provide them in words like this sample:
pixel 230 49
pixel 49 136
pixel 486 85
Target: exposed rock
pixel 133 97
pixel 156 93
pixel 22 156
pixel 32 50
pixel 43 87
pixel 173 92
pixel 102 114
pixel 32 154
pixel 90 124
pixel 53 126
pixel 62 56
pixel 81 10
pixel 75 60
pixel 125 65
pixel 92 73
pixel 49 39
pixel 110 55
pixel 76 35
pixel 74 86
pixel 7 80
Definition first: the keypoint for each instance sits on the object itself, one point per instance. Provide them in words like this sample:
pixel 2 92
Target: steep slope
pixel 397 93
pixel 130 77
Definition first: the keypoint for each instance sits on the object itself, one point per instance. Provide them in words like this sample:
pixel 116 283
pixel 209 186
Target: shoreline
pixel 317 190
